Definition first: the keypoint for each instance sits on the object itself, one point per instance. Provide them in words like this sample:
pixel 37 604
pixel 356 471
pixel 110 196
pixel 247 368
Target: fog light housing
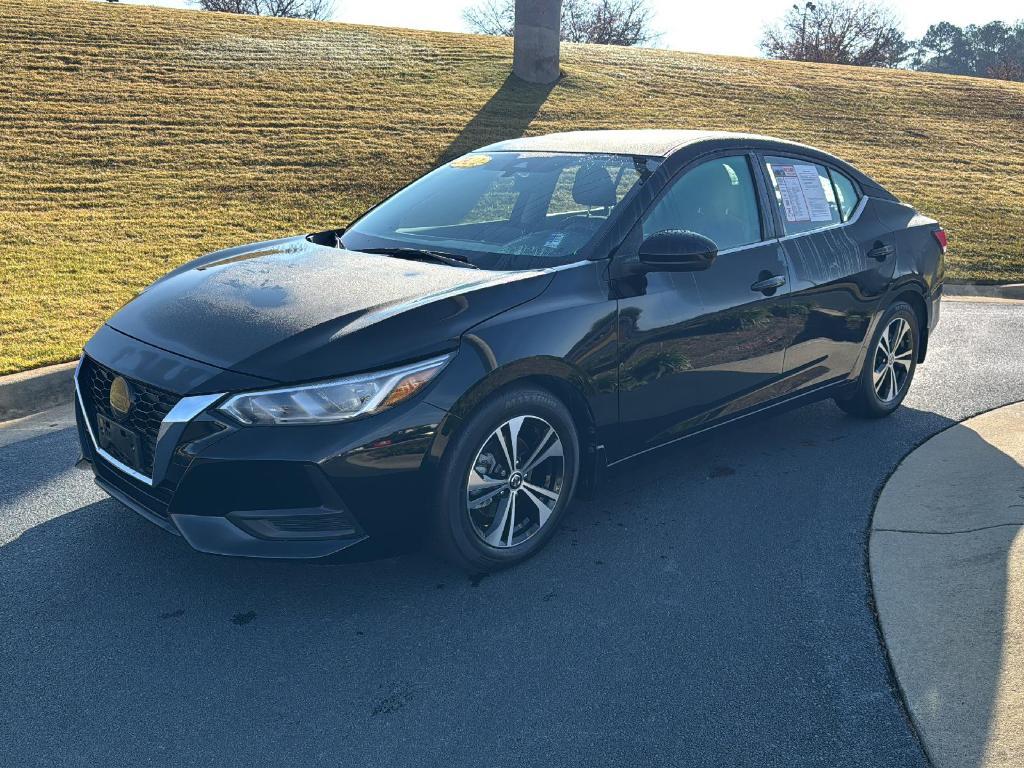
pixel 297 524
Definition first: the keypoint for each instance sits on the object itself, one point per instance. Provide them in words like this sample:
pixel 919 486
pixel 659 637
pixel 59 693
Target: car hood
pixel 292 310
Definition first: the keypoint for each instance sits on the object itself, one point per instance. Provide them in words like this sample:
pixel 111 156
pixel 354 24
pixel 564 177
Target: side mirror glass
pixel 677 250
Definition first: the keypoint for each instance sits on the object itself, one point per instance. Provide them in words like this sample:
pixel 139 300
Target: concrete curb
pixel 1009 291
pixel 22 394
pixel 946 556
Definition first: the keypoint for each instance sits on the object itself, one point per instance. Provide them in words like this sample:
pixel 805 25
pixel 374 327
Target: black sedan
pixel 474 350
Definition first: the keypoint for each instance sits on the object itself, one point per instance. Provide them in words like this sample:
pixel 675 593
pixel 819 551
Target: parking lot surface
pixel 711 608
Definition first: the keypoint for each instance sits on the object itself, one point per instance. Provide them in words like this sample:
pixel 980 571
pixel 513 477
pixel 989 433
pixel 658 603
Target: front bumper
pixel 356 489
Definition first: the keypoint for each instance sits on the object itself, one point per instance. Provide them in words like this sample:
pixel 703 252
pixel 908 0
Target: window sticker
pixel 803 197
pixel 470 161
pixel 555 240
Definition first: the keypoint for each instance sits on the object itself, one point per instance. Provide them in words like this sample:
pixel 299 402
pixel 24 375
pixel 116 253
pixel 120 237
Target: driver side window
pixel 716 199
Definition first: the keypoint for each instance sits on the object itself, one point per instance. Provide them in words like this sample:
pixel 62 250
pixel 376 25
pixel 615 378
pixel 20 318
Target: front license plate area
pixel 122 443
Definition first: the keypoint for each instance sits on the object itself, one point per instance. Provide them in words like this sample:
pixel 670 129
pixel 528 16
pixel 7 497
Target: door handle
pixel 769 285
pixel 881 251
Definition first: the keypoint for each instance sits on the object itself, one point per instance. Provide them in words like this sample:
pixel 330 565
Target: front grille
pixel 150 406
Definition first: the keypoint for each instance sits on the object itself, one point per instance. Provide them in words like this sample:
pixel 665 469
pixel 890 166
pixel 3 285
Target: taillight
pixel 940 235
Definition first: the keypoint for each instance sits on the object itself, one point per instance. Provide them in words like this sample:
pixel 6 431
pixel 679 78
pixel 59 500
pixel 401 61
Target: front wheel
pixel 507 480
pixel 888 366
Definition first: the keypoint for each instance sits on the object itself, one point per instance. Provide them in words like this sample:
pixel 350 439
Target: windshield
pixel 504 210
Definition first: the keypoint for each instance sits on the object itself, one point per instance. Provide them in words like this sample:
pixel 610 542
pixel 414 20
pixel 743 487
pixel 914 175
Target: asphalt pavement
pixel 712 608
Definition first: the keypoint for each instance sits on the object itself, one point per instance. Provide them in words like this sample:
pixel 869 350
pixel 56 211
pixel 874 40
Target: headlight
pixel 335 400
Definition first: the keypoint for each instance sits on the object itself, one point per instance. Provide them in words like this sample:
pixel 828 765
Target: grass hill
pixel 134 138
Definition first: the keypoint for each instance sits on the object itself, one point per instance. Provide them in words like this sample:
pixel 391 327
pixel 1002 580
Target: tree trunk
pixel 535 50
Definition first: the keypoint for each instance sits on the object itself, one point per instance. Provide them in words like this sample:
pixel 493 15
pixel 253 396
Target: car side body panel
pixel 821 322
pixel 837 289
pixel 919 255
pixel 566 335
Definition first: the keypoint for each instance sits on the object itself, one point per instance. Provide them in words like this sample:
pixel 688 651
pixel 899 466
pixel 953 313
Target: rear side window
pixel 804 194
pixel 846 194
pixel 716 199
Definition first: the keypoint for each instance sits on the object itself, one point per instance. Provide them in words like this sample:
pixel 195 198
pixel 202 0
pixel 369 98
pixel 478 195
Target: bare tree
pixel 609 22
pixel 491 17
pixel 289 9
pixel 861 32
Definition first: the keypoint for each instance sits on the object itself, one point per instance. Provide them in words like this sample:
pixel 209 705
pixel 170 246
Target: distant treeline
pixel 869 33
pixel 991 50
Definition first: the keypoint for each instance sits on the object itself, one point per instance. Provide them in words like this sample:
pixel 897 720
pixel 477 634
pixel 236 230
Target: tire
pixel 498 522
pixel 885 378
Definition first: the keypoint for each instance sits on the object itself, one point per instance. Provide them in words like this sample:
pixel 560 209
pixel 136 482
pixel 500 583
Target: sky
pixel 731 27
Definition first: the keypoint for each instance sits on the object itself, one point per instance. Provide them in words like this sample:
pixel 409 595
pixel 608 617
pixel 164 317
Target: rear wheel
pixel 888 366
pixel 507 480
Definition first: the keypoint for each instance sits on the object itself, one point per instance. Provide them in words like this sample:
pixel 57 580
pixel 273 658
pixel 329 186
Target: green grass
pixel 133 139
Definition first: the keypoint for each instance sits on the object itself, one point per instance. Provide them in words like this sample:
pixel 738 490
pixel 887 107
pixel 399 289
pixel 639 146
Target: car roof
pixel 662 142
pixel 655 142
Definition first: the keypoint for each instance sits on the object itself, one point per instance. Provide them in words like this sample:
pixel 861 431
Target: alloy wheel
pixel 515 481
pixel 894 356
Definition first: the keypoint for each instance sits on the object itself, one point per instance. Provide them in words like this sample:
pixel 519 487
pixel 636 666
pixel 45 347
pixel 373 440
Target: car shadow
pixel 506 115
pixel 716 589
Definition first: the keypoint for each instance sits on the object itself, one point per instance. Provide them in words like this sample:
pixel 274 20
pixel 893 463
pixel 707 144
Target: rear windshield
pixel 505 210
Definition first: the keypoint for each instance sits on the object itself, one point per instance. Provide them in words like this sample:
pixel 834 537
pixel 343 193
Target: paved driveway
pixel 711 609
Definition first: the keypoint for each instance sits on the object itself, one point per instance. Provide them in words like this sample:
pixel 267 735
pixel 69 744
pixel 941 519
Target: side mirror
pixel 677 250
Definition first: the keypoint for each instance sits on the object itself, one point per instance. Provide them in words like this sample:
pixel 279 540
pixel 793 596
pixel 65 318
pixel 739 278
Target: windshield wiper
pixel 424 254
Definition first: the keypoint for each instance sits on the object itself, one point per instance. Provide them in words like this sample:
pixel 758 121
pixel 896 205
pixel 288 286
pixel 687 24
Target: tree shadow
pixel 506 115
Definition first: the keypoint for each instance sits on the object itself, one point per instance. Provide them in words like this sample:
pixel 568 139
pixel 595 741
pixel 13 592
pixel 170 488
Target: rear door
pixel 841 260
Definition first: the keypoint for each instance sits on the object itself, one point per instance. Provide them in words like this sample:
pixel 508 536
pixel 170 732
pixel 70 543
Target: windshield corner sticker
pixel 554 240
pixel 470 161
pixel 803 196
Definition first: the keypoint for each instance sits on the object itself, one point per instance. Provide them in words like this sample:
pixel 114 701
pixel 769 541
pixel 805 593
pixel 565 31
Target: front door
pixel 696 347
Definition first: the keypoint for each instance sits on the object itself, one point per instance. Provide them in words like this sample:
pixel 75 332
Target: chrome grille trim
pixel 186 409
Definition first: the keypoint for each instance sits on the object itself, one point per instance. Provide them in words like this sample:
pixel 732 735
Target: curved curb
pixel 22 394
pixel 947 573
